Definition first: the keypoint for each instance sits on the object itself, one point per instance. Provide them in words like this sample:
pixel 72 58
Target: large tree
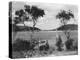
pixel 29 13
pixel 21 16
pixel 65 16
pixel 35 13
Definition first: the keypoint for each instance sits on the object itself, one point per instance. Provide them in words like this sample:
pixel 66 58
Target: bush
pixel 59 44
pixel 21 45
pixel 69 44
pixel 75 45
pixel 44 47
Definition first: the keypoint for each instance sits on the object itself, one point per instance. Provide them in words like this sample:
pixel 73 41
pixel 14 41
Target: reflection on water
pixel 45 35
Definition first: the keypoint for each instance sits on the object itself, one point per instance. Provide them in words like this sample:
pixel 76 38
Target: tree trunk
pixel 56 33
pixel 66 31
pixel 34 23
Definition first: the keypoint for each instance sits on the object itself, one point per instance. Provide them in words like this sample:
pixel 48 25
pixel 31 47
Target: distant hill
pixel 68 27
pixel 24 28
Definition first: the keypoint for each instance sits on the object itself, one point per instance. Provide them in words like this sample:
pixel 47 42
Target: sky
pixel 48 21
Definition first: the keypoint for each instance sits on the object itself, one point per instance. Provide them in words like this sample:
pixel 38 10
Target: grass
pixel 44 35
pixel 44 54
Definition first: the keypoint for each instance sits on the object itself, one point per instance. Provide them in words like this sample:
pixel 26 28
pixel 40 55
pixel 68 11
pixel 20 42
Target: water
pixel 45 35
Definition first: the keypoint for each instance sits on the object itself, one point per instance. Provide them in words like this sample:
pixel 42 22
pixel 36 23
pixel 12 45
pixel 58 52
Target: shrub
pixel 59 44
pixel 21 45
pixel 44 47
pixel 75 44
pixel 69 44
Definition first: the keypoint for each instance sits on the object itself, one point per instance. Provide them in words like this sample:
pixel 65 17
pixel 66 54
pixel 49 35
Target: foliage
pixel 21 16
pixel 71 44
pixel 44 47
pixel 59 44
pixel 65 16
pixel 29 13
pixel 34 11
pixel 22 45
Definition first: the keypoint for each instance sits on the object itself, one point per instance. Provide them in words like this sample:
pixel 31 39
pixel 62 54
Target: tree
pixel 29 13
pixel 64 17
pixel 21 16
pixel 34 13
